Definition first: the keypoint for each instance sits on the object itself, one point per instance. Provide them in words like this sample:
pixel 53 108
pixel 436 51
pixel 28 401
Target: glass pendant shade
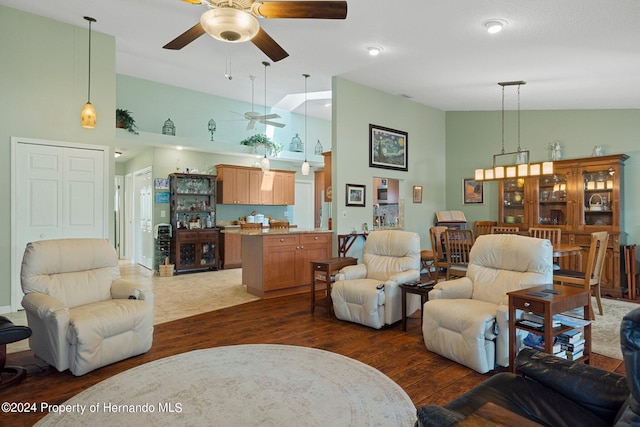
pixel 88 116
pixel 229 25
pixel 265 164
pixel 305 168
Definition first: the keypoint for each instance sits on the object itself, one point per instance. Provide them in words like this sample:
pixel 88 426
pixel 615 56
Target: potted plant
pixel 273 148
pixel 124 120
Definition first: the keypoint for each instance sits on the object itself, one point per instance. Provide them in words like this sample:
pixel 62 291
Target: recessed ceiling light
pixel 374 50
pixel 494 25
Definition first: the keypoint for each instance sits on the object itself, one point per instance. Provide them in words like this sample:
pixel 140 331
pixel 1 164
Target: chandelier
pixel 514 164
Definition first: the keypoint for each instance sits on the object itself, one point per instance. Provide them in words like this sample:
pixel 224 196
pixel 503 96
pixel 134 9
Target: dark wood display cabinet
pixel 582 196
pixel 195 242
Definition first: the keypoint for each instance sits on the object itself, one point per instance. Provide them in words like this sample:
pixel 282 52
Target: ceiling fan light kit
pixel 230 25
pixel 235 21
pixel 374 50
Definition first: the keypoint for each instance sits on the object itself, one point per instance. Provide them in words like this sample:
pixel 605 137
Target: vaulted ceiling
pixel 573 54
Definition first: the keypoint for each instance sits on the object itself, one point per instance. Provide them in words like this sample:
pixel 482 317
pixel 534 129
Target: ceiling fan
pixel 236 21
pixel 253 116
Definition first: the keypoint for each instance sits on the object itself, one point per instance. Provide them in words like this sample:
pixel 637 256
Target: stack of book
pixel 572 343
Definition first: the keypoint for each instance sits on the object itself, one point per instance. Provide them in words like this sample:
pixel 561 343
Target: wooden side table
pixel 422 288
pixel 346 240
pixel 322 273
pixel 542 300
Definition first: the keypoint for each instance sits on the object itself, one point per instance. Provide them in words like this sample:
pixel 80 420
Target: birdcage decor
pixel 296 144
pixel 169 128
pixel 319 148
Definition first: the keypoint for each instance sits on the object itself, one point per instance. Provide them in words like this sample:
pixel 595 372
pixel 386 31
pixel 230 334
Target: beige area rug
pixel 179 296
pixel 605 330
pixel 243 385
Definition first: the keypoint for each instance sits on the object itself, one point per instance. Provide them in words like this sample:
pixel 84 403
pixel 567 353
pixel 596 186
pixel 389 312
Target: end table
pixel 322 272
pixel 422 288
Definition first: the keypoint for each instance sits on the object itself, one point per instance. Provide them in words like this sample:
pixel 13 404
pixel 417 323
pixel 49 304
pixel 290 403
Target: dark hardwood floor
pixel 425 376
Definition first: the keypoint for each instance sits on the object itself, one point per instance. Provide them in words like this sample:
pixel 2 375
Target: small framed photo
pixel 162 197
pixel 417 194
pixel 161 183
pixel 356 195
pixel 388 148
pixel 472 192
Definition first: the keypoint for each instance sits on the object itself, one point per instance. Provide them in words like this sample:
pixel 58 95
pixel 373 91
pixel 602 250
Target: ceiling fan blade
pixel 251 124
pixel 267 117
pixel 276 124
pixel 266 44
pixel 304 9
pixel 185 38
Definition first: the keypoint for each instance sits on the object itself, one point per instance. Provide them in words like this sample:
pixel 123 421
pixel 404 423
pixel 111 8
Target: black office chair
pixel 10 375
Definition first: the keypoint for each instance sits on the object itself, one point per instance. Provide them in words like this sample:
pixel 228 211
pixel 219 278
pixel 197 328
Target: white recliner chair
pixel 368 293
pixel 82 314
pixel 466 320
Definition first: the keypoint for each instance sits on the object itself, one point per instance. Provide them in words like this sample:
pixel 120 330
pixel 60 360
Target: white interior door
pixel 143 218
pixel 303 209
pixel 58 191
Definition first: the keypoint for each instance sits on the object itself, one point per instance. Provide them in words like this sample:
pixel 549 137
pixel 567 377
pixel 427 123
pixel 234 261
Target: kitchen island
pixel 276 262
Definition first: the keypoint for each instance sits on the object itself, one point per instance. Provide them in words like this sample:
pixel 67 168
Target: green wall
pixel 473 137
pixel 354 108
pixel 43 82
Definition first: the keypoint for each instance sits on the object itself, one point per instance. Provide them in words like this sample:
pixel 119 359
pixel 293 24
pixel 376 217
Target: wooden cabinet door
pixel 232 249
pixel 312 247
pixel 284 188
pixel 260 191
pixel 242 186
pixel 278 262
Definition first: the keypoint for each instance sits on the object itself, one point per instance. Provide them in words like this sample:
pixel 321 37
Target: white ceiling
pixel 573 54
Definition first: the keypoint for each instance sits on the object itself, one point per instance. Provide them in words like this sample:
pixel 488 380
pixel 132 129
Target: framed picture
pixel 162 197
pixel 472 192
pixel 388 148
pixel 161 183
pixel 356 195
pixel 417 194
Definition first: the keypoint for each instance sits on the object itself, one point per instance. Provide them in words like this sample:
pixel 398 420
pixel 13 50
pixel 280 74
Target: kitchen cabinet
pixel 231 246
pixel 582 196
pixel 276 264
pixel 195 242
pixel 243 185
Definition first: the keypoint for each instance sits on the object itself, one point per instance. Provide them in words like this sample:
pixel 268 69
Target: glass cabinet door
pixel 598 190
pixel 552 200
pixel 513 201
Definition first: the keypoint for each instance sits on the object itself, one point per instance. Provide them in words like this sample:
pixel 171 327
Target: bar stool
pixel 11 333
pixel 426 261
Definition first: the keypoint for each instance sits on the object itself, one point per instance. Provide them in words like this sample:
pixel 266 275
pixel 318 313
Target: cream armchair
pixel 466 320
pixel 82 314
pixel 368 293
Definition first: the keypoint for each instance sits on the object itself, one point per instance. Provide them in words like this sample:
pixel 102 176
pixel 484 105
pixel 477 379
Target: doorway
pixel 143 218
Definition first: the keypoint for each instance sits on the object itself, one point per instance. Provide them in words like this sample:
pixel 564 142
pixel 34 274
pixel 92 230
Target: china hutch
pixel 194 245
pixel 582 196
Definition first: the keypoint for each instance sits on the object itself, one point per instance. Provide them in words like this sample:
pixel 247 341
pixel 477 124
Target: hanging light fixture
pixel 514 164
pixel 305 165
pixel 264 163
pixel 88 115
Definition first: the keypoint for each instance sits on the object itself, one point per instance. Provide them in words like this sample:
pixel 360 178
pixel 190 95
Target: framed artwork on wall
pixel 472 192
pixel 417 194
pixel 356 195
pixel 388 148
pixel 161 183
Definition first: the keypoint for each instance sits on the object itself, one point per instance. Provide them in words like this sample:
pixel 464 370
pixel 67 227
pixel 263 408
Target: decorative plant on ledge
pixel 273 148
pixel 124 120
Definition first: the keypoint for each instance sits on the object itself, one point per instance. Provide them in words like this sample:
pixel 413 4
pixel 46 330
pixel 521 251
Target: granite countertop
pixel 269 231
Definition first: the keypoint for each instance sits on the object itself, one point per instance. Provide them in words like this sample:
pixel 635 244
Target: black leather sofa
pixel 556 392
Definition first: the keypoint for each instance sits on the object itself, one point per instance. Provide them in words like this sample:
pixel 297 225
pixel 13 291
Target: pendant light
pixel 305 165
pixel 264 163
pixel 88 115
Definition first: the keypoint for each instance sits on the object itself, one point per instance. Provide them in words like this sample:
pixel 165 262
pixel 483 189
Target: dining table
pixel 569 250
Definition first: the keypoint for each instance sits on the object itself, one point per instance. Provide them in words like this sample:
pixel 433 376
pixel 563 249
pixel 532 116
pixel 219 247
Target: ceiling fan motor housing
pixel 229 24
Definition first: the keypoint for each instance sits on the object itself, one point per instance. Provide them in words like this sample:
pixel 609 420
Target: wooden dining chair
pixel 551 234
pixel 483 227
pixel 439 259
pixel 505 229
pixel 590 278
pixel 457 244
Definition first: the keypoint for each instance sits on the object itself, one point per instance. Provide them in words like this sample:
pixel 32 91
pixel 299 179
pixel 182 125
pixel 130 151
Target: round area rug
pixel 242 385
